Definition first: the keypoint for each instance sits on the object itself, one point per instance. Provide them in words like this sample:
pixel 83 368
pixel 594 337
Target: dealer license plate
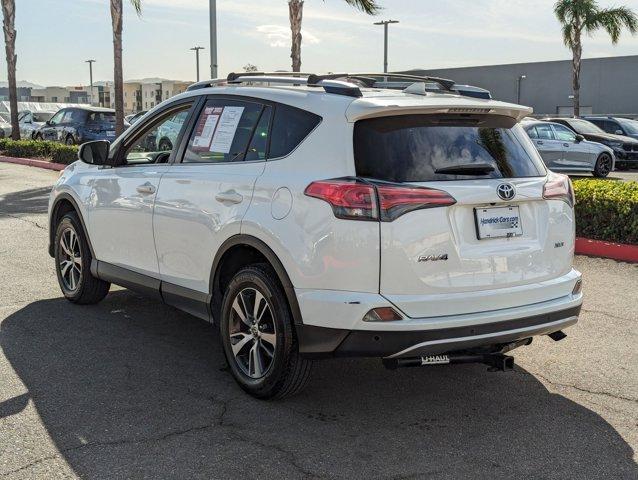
pixel 498 222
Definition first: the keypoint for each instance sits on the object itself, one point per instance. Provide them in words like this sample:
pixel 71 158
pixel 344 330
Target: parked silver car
pixel 565 151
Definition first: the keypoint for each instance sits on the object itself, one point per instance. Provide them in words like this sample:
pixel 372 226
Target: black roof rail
pixel 205 84
pixel 233 76
pixel 369 79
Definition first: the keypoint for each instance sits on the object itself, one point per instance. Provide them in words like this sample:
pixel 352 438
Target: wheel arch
pixel 65 203
pixel 238 251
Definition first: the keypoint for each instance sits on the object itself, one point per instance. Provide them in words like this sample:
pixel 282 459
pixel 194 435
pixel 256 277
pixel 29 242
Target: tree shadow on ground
pixel 25 202
pixel 133 388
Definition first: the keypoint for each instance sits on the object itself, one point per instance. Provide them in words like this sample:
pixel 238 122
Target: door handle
pixel 146 188
pixel 229 196
pixel 539 142
pixel 565 144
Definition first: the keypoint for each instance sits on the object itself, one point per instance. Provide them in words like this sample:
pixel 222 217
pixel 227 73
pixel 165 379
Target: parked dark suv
pixel 78 125
pixel 625 148
pixel 616 125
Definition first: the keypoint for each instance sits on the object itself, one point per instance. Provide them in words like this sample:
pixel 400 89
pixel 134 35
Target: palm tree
pixel 578 16
pixel 9 15
pixel 295 13
pixel 118 81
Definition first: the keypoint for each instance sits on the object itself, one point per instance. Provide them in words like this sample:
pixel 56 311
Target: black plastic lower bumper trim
pixel 322 342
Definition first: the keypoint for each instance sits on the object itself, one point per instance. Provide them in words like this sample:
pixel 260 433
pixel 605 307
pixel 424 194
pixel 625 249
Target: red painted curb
pixel 32 162
pixel 601 248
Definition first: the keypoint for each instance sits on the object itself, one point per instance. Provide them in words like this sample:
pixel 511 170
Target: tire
pixel 267 364
pixel 69 140
pixel 165 145
pixel 603 165
pixel 38 137
pixel 73 263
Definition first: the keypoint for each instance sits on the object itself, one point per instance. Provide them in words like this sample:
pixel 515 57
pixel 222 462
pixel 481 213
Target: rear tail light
pixel 354 199
pixel 559 187
pixel 350 199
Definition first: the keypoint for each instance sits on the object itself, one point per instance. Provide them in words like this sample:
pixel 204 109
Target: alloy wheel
pixel 70 259
pixel 252 331
pixel 604 166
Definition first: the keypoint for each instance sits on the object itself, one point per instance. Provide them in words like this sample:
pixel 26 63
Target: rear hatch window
pixel 424 148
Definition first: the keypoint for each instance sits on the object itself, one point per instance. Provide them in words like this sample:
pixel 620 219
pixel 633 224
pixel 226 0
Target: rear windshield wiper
pixel 467 169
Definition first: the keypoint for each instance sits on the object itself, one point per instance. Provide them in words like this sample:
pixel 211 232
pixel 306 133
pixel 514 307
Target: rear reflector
pixel 358 200
pixel 559 187
pixel 382 314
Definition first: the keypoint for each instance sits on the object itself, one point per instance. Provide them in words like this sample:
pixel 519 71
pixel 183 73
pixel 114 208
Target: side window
pixel 545 132
pixel 531 132
pixel 223 131
pixel 290 127
pixel 57 118
pixel 259 143
pixel 155 143
pixel 564 134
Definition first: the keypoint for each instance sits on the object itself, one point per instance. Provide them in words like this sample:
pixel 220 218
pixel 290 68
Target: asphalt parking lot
pixel 131 388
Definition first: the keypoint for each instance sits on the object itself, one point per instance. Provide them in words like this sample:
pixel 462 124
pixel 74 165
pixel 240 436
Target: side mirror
pixel 619 132
pixel 48 123
pixel 94 153
pixel 579 138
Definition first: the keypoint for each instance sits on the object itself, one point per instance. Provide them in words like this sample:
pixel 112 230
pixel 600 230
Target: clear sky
pixel 56 36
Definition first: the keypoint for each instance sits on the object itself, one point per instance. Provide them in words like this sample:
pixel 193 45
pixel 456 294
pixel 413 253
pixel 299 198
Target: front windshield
pixel 630 126
pixel 42 116
pixel 584 127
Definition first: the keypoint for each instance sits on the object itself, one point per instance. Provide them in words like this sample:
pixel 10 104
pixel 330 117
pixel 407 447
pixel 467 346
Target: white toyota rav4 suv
pixel 316 216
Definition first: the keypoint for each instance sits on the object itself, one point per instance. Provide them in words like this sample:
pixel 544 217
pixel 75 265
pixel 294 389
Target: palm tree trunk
pixel 118 82
pixel 577 52
pixel 9 14
pixel 295 13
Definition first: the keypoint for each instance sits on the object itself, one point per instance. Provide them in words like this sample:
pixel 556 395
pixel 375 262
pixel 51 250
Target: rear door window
pixel 423 148
pixel 224 131
pixel 564 134
pixel 545 131
pixel 290 127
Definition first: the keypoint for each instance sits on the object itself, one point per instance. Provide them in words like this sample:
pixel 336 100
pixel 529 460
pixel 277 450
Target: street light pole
pixel 213 38
pixel 90 62
pixel 518 87
pixel 385 24
pixel 197 49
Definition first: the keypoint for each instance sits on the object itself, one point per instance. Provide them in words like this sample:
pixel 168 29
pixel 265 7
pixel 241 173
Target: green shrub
pixel 57 152
pixel 607 210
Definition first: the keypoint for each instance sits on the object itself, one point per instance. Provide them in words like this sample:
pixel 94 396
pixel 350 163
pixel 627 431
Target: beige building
pixel 170 88
pixel 132 97
pixel 50 95
pixel 151 95
pixel 140 96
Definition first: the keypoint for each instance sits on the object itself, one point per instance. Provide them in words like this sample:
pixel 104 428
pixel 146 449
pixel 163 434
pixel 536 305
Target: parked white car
pixel 5 125
pixel 315 217
pixel 30 122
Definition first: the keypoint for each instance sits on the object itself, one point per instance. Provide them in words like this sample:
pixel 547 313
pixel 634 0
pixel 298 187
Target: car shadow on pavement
pixel 25 202
pixel 132 388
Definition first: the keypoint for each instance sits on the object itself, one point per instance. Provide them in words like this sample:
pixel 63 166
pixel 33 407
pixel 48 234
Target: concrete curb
pixel 32 162
pixel 601 248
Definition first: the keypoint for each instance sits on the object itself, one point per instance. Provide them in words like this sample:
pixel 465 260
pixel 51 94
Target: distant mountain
pixel 22 83
pixel 151 80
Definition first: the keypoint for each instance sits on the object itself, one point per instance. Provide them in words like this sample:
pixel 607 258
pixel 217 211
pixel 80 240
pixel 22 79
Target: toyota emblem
pixel 505 191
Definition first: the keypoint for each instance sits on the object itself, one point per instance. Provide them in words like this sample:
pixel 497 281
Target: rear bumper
pixel 320 341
